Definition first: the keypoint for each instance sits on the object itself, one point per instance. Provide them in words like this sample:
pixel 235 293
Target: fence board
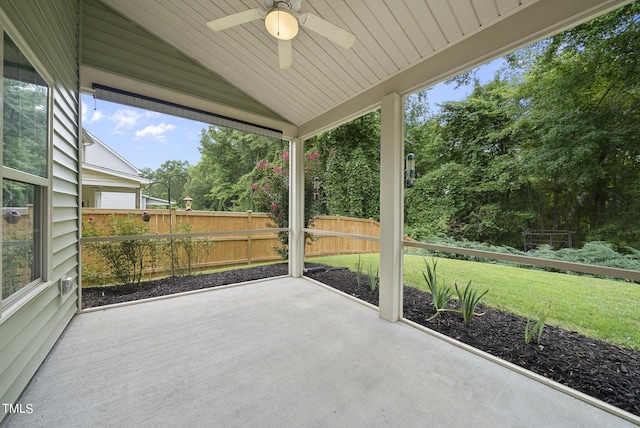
pixel 232 250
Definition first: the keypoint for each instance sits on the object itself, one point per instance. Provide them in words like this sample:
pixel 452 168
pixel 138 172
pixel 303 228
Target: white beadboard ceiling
pixel 401 46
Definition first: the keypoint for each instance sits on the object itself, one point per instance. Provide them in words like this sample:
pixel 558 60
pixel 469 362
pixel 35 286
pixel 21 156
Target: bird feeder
pixel 410 171
pixel 187 203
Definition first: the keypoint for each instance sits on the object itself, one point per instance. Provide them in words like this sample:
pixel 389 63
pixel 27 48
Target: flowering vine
pixel 270 193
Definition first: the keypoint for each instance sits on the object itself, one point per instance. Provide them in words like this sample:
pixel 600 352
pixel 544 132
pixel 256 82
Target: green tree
pixel 173 176
pixel 222 178
pixel 472 186
pixel 583 127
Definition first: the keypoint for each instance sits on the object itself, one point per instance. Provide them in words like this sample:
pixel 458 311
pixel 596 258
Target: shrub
pixel 270 193
pixel 125 260
pixel 189 251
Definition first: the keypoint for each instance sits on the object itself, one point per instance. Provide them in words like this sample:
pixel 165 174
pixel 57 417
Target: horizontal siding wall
pixel 51 30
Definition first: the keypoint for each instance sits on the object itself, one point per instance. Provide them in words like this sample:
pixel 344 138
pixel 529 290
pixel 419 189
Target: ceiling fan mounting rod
pixel 276 4
pixel 288 5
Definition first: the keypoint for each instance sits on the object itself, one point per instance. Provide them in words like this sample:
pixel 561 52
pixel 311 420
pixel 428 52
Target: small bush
pixel 189 251
pixel 121 261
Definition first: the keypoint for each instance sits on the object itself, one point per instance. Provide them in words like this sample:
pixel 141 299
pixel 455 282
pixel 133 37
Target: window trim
pixel 26 294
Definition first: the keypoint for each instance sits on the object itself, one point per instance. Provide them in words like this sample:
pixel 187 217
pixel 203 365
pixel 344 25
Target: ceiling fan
pixel 281 18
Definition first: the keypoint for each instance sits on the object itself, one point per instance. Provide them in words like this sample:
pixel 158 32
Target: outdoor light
pixel 281 24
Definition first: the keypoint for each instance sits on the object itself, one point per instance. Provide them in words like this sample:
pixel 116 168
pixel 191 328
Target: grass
pixel 599 308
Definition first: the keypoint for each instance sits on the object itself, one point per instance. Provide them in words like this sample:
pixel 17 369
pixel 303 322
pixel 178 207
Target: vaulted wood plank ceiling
pixel 402 45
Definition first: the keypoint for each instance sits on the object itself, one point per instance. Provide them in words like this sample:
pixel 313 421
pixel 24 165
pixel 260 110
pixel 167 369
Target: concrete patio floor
pixel 283 352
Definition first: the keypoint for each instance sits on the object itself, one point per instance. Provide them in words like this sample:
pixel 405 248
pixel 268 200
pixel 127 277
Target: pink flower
pixel 254 186
pixel 313 155
pixel 90 218
pixel 285 156
pixel 277 169
pixel 262 164
pixel 274 207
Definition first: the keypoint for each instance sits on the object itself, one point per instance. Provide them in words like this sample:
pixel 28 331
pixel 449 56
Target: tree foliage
pixel 222 178
pixel 170 179
pixel 555 148
pixel 351 177
pixel 552 142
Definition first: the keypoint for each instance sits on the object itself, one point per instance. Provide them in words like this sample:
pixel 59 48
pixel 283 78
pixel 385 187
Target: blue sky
pixel 148 139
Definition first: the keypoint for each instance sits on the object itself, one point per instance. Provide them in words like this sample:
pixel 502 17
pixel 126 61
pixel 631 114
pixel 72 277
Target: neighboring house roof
pixel 152 200
pixel 103 167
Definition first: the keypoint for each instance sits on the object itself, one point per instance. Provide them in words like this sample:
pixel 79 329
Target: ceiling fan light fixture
pixel 281 24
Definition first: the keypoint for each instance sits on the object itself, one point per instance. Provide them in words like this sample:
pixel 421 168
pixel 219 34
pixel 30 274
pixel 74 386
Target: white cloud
pixel 95 116
pixel 91 116
pixel 155 131
pixel 126 119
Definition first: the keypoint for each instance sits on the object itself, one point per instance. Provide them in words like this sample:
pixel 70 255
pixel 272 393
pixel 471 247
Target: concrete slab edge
pixel 623 414
pixel 173 296
pixel 343 294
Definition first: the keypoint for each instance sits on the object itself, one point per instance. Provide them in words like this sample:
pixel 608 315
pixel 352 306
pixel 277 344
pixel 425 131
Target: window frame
pixel 43 187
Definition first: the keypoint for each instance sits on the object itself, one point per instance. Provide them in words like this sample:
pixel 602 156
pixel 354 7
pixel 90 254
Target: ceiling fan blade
pixel 235 19
pixel 285 53
pixel 326 29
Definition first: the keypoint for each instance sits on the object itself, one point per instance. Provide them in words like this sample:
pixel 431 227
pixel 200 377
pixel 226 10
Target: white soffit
pixel 401 46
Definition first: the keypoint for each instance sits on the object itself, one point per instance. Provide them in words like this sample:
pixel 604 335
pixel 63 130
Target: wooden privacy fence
pixel 330 245
pixel 228 233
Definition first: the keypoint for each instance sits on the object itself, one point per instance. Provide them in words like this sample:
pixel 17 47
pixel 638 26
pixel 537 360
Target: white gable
pixel 99 154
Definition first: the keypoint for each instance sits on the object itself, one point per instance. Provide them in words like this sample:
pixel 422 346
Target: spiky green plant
pixel 359 267
pixel 374 279
pixel 532 329
pixel 440 293
pixel 468 299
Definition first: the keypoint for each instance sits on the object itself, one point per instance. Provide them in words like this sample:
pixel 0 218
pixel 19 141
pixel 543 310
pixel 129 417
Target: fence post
pixel 249 237
pixel 338 228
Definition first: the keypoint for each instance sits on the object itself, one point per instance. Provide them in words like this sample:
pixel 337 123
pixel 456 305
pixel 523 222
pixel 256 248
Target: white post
pixel 296 208
pixel 391 206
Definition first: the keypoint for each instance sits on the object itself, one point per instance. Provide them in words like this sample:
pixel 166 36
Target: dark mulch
pixel 599 369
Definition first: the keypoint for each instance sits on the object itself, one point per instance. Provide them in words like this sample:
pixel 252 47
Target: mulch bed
pixel 597 368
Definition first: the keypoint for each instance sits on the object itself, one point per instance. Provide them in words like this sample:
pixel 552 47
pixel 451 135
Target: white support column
pixel 391 206
pixel 296 208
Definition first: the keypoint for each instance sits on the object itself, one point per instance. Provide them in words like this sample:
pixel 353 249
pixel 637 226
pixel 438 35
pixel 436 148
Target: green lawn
pixel 599 308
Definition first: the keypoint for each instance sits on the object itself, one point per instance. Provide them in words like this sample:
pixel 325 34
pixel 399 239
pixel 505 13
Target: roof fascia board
pixel 111 173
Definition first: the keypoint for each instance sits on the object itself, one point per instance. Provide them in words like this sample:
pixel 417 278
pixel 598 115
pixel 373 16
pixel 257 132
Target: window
pixel 25 148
